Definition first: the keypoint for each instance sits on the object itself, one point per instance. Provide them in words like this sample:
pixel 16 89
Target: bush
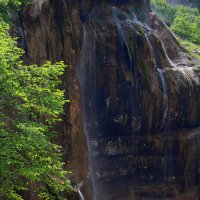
pixel 183 20
pixel 30 105
pixel 187 23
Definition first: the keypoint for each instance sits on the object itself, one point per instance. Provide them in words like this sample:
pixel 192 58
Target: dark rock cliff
pixel 135 100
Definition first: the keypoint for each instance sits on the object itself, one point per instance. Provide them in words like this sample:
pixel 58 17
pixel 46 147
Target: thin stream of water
pixel 120 23
pixel 185 75
pixel 21 33
pixel 165 114
pixel 165 95
pixel 81 197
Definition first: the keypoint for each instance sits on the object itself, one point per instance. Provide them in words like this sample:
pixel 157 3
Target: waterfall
pixel 116 50
pixel 21 33
pixel 161 73
pixel 86 74
pixel 127 23
pixel 135 101
pixel 165 106
pixel 164 83
pixel 121 28
pixel 102 124
pixel 81 197
pixel 188 80
pixel 181 69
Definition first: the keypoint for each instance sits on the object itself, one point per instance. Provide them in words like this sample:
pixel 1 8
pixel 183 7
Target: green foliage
pixel 164 10
pixel 10 5
pixel 30 105
pixel 7 6
pixel 183 20
pixel 187 23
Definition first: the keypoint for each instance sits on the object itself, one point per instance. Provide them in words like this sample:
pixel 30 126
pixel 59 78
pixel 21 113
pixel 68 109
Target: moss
pixel 139 29
pixel 155 37
pixel 132 43
pixel 196 69
pixel 159 48
pixel 146 73
pixel 132 46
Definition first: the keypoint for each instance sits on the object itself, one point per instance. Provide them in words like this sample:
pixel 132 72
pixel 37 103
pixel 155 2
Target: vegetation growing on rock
pixel 183 20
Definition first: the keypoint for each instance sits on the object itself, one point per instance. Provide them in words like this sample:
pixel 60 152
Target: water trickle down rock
pixel 21 33
pixel 81 197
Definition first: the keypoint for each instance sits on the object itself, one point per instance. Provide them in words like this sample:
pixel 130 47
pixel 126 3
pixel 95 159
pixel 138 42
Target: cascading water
pixel 182 70
pixel 121 27
pixel 129 157
pixel 165 107
pixel 165 93
pixel 81 197
pixel 86 75
pixel 21 33
pixel 88 69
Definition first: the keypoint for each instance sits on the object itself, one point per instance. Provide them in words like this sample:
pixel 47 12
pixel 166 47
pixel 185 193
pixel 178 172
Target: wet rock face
pixel 135 96
pixel 138 88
